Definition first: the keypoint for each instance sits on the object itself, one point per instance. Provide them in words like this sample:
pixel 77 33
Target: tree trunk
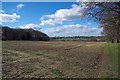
pixel 112 40
pixel 117 41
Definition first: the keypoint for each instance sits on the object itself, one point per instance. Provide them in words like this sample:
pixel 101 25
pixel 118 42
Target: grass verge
pixel 113 50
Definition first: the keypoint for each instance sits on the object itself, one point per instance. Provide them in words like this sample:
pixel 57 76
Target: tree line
pixel 22 34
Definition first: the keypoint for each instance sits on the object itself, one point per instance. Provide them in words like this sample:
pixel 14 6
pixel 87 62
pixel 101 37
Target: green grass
pixel 70 39
pixel 112 48
pixel 57 73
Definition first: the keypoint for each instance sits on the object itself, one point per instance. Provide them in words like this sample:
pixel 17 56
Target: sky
pixel 52 18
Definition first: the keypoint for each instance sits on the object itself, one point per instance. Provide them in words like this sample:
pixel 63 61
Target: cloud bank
pixel 9 17
pixel 28 26
pixel 61 15
pixel 73 30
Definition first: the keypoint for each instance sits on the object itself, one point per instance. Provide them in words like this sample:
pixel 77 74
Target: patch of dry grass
pixel 52 59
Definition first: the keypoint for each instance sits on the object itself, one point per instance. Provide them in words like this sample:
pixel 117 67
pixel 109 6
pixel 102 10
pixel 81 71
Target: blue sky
pixel 52 18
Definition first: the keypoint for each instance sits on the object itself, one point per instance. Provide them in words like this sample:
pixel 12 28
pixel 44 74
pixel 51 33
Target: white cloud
pixel 89 23
pixel 62 15
pixel 51 22
pixel 9 17
pixel 73 30
pixel 28 26
pixel 2 11
pixel 19 6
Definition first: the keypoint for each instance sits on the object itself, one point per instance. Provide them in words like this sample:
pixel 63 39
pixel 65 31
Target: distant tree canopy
pixel 22 34
pixel 108 14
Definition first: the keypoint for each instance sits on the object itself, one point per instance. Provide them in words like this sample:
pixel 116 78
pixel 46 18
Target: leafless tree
pixel 108 14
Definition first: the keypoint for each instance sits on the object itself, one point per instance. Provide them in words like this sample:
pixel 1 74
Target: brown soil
pixel 37 59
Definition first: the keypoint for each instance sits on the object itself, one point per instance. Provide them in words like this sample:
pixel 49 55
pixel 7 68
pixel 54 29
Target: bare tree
pixel 108 14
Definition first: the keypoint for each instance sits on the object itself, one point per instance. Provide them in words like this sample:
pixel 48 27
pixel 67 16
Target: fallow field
pixel 64 59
